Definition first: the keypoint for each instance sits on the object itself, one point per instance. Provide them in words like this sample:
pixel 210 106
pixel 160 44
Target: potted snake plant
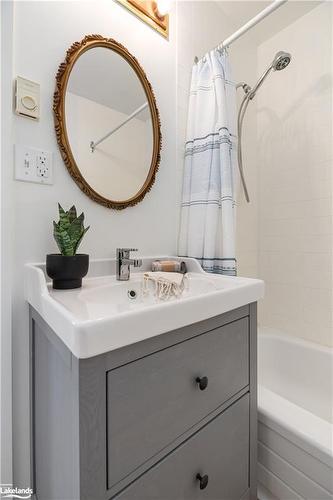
pixel 68 268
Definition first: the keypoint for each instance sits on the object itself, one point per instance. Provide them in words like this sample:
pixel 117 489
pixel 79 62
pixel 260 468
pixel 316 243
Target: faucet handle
pixel 125 251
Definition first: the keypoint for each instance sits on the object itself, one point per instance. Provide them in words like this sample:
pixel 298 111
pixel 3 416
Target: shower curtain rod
pixel 250 24
pixel 93 144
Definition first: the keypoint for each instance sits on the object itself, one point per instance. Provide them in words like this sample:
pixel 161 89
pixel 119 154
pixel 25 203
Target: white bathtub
pixel 295 409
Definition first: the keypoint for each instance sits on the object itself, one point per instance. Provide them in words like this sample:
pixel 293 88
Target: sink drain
pixel 132 294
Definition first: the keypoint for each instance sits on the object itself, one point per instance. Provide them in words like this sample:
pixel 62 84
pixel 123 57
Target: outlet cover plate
pixel 33 165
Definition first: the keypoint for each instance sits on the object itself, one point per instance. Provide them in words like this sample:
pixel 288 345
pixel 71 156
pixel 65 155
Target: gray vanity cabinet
pixel 169 418
pixel 218 453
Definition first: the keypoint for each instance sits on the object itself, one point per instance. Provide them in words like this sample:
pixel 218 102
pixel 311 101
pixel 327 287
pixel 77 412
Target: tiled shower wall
pixel 295 180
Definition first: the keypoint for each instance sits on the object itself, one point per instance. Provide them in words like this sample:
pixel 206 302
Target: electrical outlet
pixel 42 165
pixel 33 165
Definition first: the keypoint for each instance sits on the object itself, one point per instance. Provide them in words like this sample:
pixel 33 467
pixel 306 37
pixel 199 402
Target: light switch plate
pixel 27 98
pixel 33 165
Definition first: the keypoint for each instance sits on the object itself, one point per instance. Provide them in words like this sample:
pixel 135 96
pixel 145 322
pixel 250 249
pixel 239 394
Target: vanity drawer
pixel 154 400
pixel 220 451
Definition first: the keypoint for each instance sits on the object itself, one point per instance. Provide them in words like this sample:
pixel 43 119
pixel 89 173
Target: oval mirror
pixel 107 122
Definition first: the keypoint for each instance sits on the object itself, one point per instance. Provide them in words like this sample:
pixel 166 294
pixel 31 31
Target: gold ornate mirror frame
pixel 64 71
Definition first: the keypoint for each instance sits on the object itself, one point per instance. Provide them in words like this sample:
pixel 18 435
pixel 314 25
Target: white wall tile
pixel 295 180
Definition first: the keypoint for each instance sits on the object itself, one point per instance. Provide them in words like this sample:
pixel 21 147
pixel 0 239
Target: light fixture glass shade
pixel 163 7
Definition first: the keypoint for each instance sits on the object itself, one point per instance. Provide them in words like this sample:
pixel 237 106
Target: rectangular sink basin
pixel 106 314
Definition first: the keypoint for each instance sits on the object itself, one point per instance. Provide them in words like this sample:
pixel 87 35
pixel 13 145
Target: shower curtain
pixel 207 230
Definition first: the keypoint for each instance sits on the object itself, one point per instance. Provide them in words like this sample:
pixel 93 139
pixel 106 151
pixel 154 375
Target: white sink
pixel 102 316
pixel 102 297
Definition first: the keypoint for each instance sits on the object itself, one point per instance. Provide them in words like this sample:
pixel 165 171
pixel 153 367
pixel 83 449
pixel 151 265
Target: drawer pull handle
pixel 202 382
pixel 203 481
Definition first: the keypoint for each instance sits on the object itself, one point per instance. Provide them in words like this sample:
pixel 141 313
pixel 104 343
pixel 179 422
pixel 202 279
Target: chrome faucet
pixel 124 262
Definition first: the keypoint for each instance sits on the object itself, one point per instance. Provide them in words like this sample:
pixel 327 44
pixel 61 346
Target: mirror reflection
pixel 109 124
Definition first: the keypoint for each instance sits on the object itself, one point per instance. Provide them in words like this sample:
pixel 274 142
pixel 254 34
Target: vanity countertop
pixel 101 317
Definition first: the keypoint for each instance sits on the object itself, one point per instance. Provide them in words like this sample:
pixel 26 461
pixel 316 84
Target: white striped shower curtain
pixel 207 230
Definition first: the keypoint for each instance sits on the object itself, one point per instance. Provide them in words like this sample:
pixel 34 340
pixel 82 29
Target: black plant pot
pixel 67 271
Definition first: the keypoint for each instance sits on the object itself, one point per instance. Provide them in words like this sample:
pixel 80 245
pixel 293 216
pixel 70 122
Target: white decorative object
pixel 165 284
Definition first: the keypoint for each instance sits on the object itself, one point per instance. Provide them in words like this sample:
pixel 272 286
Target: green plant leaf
pixel 63 240
pixel 78 243
pixel 63 218
pixel 69 231
pixel 66 244
pixel 56 234
pixel 72 213
pixel 75 230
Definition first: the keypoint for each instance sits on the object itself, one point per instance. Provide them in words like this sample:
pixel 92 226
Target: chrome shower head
pixel 281 60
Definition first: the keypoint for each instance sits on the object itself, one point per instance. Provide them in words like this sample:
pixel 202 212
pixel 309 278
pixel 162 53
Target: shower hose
pixel 241 114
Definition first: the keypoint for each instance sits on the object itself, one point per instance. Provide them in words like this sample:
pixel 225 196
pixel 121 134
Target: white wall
pixel 6 226
pixel 295 171
pixel 43 31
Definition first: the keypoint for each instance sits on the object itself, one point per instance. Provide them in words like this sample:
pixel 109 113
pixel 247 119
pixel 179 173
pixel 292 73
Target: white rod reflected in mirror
pixel 129 118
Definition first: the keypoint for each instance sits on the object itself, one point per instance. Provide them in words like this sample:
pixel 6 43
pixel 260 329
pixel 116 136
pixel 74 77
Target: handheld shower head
pixel 281 61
